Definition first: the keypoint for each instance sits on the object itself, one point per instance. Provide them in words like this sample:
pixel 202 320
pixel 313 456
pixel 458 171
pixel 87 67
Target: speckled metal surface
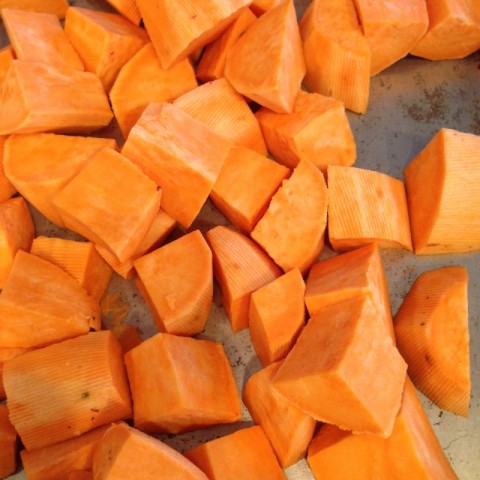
pixel 409 102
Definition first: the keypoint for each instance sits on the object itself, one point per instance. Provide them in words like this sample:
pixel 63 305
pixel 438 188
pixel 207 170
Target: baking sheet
pixel 409 102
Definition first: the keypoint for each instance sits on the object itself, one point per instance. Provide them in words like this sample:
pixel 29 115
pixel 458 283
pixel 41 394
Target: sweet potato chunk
pixel 8 444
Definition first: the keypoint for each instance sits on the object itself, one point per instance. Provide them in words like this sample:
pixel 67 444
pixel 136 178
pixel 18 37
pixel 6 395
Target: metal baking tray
pixel 409 103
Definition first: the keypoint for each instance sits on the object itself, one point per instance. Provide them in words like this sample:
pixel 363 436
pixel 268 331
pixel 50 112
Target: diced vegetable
pixel 442 198
pixel 432 332
pixel 39 37
pixel 128 8
pixel 8 444
pixel 6 353
pixel 276 316
pixel 288 429
pixel 366 206
pixel 240 267
pixel 337 54
pixel 176 281
pixel 270 75
pixel 57 7
pixel 245 453
pixel 171 396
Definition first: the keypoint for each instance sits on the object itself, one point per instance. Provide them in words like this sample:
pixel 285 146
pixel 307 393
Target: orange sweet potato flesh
pixel 366 206
pixel 288 428
pixel 57 7
pixel 245 187
pixel 16 233
pixel 174 41
pixel 143 80
pixel 212 62
pixel 441 198
pixel 6 56
pixel 105 41
pixel 245 453
pixel 335 453
pixel 171 396
pixel 39 37
pixel 276 316
pixel 56 462
pixel 353 274
pixel 181 154
pixel 317 130
pixel 41 304
pixel 270 75
pixel 80 259
pixel 7 190
pixel 178 286
pixel 37 97
pixel 78 384
pixel 392 29
pixel 432 333
pixel 8 444
pixel 6 353
pixel 49 162
pixel 80 475
pixel 453 31
pixel 128 8
pixel 121 444
pixel 292 230
pixel 334 386
pixel 337 55
pixel 226 112
pixel 163 224
pixel 259 7
pixel 240 267
pixel 124 202
pixel 128 336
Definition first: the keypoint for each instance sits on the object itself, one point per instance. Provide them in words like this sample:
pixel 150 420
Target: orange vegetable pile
pixel 241 104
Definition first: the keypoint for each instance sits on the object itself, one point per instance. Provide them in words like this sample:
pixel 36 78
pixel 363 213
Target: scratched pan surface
pixel 409 102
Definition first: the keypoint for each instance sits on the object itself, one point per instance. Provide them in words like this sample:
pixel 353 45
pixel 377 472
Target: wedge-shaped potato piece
pixel 6 353
pixel 337 54
pixel 6 56
pixel 80 259
pixel 104 41
pixel 16 233
pixel 317 130
pixel 366 206
pixel 163 224
pixel 245 453
pixel 57 7
pixel 323 375
pixel 7 190
pixel 41 304
pixel 38 97
pixel 39 37
pixel 113 458
pixel 226 112
pixel 174 41
pixel 212 62
pixel 181 154
pixel 453 31
pixel 128 8
pixel 171 396
pixel 356 273
pixel 335 453
pixel 80 475
pixel 8 444
pixel 123 202
pixel 276 316
pixel 432 333
pixel 240 267
pixel 266 63
pixel 56 462
pixel 288 428
pixel 40 165
pixel 176 281
pixel 292 231
pixel 443 201
pixel 245 187
pixel 142 80
pixel 392 29
pixel 78 384
pixel 259 7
